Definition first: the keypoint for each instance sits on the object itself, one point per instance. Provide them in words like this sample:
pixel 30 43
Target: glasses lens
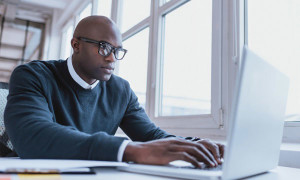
pixel 119 54
pixel 104 49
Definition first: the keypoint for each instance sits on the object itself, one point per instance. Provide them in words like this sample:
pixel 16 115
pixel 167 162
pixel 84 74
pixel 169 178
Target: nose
pixel 111 57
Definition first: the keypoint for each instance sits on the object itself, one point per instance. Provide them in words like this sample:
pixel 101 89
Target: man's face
pixel 92 64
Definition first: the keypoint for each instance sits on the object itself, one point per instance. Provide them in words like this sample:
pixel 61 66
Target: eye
pixel 103 46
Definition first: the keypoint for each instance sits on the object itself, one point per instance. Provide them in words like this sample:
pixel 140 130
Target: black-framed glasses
pixel 105 49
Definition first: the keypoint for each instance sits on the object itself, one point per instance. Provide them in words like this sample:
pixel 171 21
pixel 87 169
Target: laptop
pixel 255 126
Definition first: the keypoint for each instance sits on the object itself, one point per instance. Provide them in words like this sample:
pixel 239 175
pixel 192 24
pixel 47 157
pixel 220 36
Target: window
pixel 185 51
pixel 66 47
pixel 173 63
pixel 171 59
pixel 18 31
pixel 273 33
pixel 34 41
pixel 104 8
pixel 133 67
pixel 134 11
pixel 67 32
pixel 87 11
pixel 187 60
pixel 165 1
pixel 271 30
pixel 21 41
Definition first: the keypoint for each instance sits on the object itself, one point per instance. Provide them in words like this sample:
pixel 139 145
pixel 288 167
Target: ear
pixel 75 45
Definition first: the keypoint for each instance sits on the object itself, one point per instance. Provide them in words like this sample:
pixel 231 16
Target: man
pixel 71 109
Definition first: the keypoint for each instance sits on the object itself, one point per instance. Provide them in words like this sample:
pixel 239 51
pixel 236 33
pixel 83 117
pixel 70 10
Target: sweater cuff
pixel 122 149
pixel 105 147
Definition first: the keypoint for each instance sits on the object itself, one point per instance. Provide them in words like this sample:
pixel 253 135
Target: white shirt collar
pixel 77 78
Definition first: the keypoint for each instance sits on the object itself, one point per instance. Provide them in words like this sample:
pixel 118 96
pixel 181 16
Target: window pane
pixel 273 33
pixel 11 46
pixel 87 11
pixel 164 1
pixel 134 11
pixel 187 60
pixel 13 39
pixel 34 38
pixel 66 43
pixel 134 65
pixel 104 8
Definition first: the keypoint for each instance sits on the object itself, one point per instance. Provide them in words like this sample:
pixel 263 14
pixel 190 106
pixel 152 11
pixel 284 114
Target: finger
pixel 208 153
pixel 222 150
pixel 188 158
pixel 213 148
pixel 195 152
pixel 201 148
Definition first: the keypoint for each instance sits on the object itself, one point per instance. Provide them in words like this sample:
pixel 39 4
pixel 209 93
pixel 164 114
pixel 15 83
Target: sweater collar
pixel 77 78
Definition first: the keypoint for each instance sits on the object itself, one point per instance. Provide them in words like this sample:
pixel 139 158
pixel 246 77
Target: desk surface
pixel 280 173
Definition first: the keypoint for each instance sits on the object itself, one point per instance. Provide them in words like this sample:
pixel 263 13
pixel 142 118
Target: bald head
pixel 98 28
pixel 87 60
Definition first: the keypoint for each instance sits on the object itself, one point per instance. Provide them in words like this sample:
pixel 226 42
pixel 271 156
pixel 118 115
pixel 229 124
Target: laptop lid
pixel 257 118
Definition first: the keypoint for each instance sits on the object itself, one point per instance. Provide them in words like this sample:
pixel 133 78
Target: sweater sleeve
pixel 137 125
pixel 33 132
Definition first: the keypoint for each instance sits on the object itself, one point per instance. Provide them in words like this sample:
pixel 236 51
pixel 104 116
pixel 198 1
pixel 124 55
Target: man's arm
pixel 136 123
pixel 33 133
pixel 158 150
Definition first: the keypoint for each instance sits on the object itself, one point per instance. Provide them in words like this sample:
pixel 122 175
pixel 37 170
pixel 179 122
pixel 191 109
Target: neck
pixel 80 72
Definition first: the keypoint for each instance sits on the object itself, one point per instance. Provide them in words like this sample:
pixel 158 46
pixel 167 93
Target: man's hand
pixel 216 149
pixel 164 151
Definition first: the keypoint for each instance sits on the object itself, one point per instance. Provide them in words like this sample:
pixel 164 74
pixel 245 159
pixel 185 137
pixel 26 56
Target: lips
pixel 108 69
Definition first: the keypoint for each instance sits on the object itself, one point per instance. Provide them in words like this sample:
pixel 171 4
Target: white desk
pixel 280 173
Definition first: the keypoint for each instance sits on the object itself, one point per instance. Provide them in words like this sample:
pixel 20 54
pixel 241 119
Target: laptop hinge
pixel 221 115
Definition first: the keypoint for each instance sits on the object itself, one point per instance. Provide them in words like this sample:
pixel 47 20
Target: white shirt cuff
pixel 122 149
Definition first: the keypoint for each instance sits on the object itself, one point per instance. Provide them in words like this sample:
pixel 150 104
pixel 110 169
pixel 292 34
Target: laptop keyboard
pixel 217 168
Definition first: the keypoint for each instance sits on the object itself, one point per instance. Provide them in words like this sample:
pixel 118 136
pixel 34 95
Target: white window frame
pixel 192 121
pixel 95 4
pixel 193 125
pixel 63 37
pixel 291 129
pixel 82 7
pixel 73 20
pixel 94 7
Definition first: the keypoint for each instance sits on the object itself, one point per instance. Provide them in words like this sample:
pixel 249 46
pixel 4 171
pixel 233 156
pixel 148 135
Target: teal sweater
pixel 48 115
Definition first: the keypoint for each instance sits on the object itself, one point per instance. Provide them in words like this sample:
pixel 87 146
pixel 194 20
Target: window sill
pixel 290 155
